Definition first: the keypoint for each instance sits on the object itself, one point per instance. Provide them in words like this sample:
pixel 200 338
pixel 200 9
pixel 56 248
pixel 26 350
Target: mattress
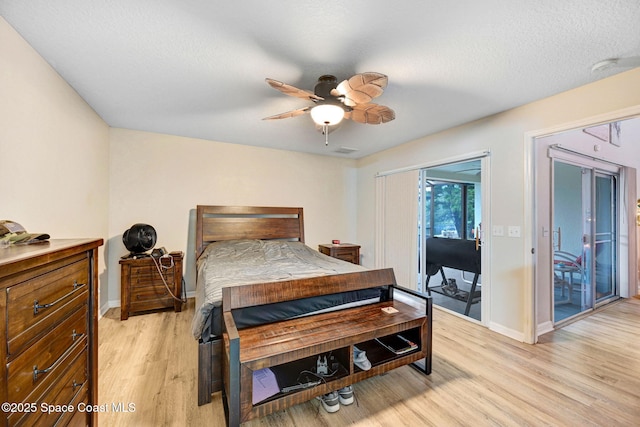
pixel 243 262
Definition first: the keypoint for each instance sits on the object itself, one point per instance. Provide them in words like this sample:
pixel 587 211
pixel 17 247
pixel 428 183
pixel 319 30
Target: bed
pixel 238 245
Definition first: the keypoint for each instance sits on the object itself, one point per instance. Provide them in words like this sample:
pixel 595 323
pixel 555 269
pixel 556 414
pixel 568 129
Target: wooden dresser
pixel 49 333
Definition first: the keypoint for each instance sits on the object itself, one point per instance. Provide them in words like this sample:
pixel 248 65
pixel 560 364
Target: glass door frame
pixel 589 300
pixel 481 204
pixel 614 220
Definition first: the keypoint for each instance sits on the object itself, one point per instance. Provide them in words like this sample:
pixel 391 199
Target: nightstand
pixel 142 288
pixel 344 251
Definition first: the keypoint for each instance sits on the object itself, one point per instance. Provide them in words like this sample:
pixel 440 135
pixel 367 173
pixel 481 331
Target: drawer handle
pixel 37 372
pixel 37 306
pixel 76 385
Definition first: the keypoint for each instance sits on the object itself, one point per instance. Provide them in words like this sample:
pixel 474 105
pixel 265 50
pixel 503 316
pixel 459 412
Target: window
pixel 449 209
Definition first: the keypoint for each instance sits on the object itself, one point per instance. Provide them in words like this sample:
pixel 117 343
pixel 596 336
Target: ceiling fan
pixel 351 99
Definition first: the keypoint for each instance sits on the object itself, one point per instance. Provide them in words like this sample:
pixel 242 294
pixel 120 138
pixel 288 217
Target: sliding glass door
pixel 585 212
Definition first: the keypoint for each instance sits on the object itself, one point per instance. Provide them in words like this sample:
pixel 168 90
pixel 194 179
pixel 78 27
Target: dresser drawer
pixel 78 418
pixel 150 296
pixel 148 291
pixel 39 365
pixel 36 305
pixel 349 255
pixel 147 275
pixel 62 392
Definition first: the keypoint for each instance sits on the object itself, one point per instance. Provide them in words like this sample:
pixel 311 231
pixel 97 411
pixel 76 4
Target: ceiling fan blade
pixel 288 114
pixel 371 114
pixel 361 88
pixel 293 91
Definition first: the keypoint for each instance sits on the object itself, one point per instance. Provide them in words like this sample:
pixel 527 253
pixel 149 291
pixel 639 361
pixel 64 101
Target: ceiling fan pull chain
pixel 325 130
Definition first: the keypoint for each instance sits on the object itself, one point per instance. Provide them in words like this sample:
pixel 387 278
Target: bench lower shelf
pixel 382 360
pixel 301 370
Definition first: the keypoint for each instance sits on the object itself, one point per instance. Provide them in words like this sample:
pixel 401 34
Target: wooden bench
pixel 295 344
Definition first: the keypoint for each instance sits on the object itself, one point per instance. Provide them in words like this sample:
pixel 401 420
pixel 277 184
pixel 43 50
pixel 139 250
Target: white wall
pixel 504 135
pixel 53 149
pixel 160 179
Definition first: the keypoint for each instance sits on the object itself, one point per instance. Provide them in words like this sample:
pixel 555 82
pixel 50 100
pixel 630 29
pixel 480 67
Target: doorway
pixel 585 214
pixel 450 217
pixel 594 170
pixel 444 201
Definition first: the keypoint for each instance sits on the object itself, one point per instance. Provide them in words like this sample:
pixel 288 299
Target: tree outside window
pixel 450 210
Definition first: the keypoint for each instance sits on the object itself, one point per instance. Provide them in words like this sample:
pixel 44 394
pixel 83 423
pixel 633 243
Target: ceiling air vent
pixel 346 150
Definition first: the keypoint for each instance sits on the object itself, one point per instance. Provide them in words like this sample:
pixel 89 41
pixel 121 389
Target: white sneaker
pixel 360 359
pixel 345 395
pixel 330 401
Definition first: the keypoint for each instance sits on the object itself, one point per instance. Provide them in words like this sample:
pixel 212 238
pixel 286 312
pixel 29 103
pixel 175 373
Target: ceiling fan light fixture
pixel 327 114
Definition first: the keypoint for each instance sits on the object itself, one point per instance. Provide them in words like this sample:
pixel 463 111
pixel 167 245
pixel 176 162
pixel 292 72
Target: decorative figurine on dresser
pixel 48 328
pixel 148 281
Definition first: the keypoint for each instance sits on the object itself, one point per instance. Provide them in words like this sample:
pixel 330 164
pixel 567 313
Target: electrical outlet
pixel 514 231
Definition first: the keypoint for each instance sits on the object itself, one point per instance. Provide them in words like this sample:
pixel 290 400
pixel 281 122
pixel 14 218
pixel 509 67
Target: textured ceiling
pixel 197 67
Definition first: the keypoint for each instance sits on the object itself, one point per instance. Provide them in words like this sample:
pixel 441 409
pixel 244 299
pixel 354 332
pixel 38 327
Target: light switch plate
pixel 514 231
pixel 498 230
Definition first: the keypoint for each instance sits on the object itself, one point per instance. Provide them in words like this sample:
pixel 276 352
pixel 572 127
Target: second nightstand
pixel 344 251
pixel 142 288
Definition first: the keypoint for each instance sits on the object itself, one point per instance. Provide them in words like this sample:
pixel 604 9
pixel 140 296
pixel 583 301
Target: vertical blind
pixel 396 240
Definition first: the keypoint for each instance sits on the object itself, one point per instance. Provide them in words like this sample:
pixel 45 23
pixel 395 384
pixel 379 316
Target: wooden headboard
pixel 215 223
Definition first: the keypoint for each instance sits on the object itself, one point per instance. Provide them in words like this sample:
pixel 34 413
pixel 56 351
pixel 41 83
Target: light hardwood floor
pixel 586 374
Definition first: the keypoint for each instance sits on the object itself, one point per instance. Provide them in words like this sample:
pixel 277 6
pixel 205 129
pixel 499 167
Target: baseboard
pixel 544 327
pixel 116 303
pixel 103 309
pixel 516 335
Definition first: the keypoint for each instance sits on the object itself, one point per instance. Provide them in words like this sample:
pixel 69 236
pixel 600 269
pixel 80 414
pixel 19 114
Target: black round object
pixel 139 238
